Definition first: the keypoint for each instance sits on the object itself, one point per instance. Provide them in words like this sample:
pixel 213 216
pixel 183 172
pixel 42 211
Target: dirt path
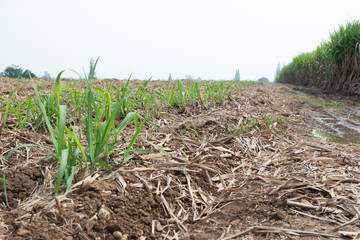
pixel 253 170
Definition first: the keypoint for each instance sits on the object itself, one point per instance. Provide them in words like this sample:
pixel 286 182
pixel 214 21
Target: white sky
pixel 152 38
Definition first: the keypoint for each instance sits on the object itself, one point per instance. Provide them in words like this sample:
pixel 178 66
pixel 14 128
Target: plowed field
pixel 246 168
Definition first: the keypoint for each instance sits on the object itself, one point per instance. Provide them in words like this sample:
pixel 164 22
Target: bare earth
pixel 275 181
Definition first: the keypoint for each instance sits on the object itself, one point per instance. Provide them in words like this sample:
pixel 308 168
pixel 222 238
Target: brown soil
pixel 239 179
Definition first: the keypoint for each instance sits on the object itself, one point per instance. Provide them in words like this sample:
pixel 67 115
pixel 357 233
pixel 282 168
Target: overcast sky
pixel 152 38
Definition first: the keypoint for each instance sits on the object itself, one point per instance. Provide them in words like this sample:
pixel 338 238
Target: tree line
pixel 14 71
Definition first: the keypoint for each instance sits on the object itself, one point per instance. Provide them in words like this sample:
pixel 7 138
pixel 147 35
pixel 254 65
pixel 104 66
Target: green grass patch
pixel 330 105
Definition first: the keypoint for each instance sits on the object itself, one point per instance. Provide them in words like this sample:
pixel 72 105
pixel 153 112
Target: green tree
pixel 92 73
pixel 170 78
pixel 13 71
pixel 263 79
pixel 46 75
pixel 27 73
pixel 237 75
pixel 1 74
pixel 189 77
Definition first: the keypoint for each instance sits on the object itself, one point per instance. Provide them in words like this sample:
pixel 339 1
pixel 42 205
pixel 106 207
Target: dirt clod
pixel 103 213
pixel 158 226
pixel 117 235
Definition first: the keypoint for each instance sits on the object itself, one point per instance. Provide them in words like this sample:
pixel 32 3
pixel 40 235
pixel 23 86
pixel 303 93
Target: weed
pixel 331 105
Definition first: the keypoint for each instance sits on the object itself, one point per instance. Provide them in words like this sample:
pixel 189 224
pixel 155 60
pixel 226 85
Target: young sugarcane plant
pixel 98 133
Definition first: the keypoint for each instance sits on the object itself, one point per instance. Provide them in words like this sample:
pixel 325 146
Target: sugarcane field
pixel 156 138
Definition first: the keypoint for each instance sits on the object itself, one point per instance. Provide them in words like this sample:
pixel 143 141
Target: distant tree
pixel 170 78
pixel 237 75
pixel 1 74
pixel 27 74
pixel 46 75
pixel 263 79
pixel 92 73
pixel 188 76
pixel 13 71
pixel 278 69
